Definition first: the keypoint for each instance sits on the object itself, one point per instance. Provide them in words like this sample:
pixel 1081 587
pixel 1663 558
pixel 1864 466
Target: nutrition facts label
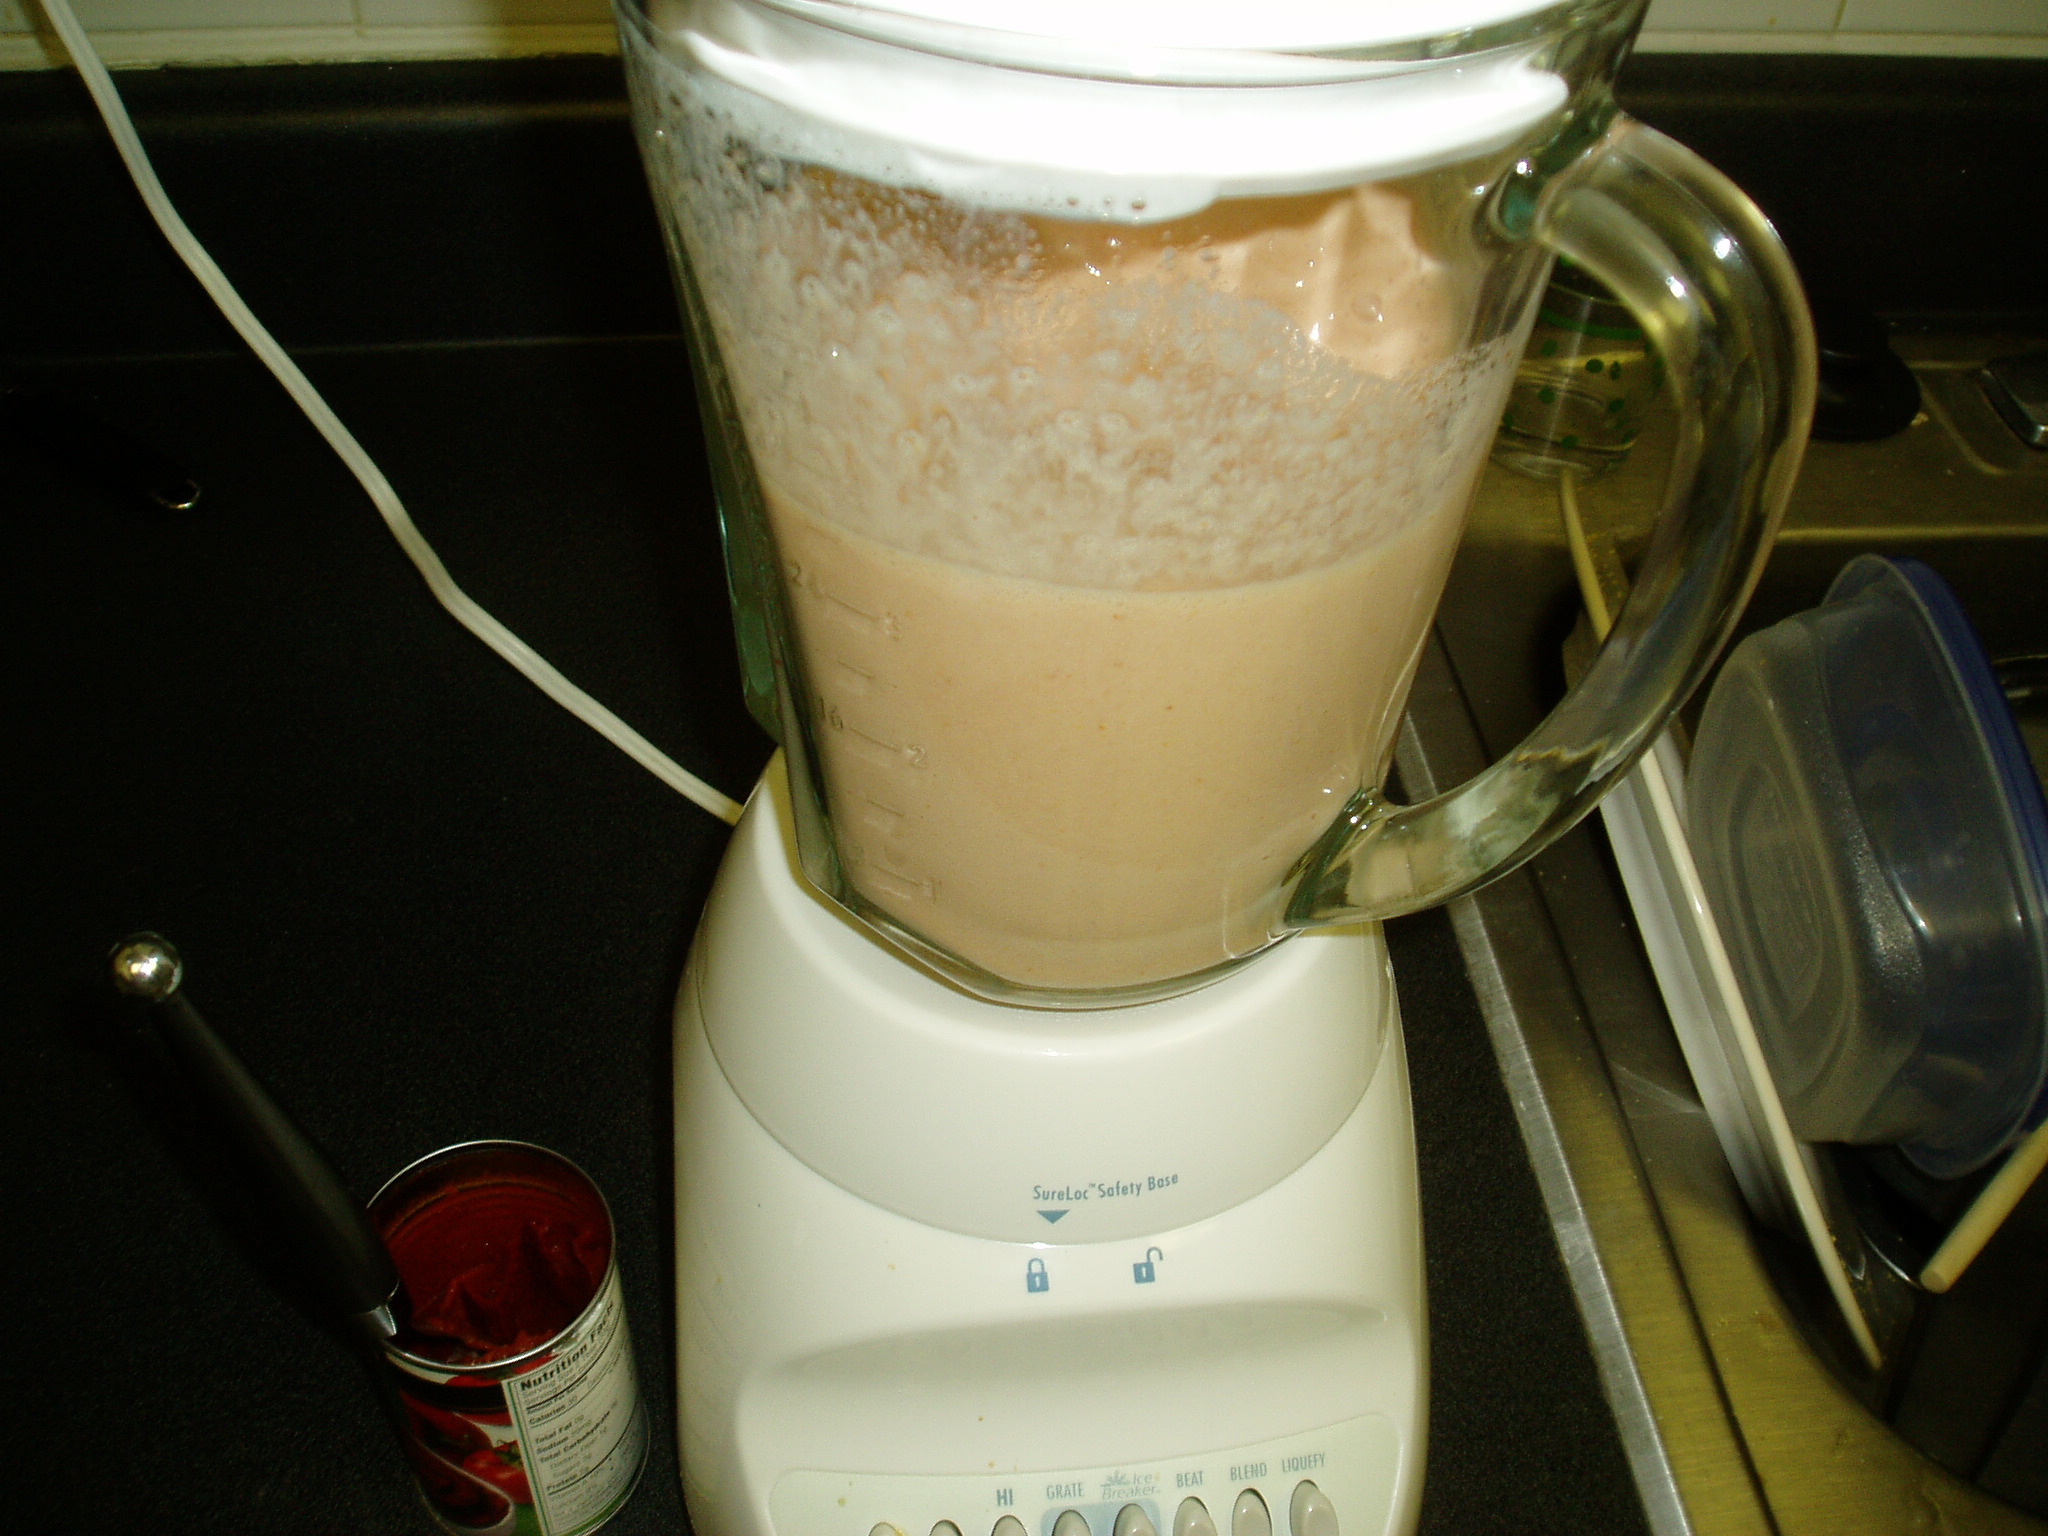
pixel 581 1427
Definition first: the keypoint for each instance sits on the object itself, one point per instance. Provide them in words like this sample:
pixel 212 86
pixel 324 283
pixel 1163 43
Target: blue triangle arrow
pixel 1052 1215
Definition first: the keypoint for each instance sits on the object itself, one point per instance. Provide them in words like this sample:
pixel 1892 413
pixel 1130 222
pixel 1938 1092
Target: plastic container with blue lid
pixel 1873 840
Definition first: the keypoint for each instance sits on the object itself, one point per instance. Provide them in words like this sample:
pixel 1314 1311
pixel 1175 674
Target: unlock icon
pixel 1035 1277
pixel 1142 1272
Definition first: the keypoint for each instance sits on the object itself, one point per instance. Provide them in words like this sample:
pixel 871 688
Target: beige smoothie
pixel 1108 551
pixel 1078 787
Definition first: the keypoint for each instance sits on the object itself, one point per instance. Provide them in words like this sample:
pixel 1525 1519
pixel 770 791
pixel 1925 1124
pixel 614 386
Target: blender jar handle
pixel 1716 295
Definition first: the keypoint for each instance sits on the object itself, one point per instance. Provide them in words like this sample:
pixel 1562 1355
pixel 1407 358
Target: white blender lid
pixel 1320 26
pixel 818 82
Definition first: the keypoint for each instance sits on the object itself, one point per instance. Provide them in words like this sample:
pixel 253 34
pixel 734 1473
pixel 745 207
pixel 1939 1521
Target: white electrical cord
pixel 465 610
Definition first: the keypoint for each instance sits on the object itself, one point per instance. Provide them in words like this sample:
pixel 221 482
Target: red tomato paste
pixel 495 1267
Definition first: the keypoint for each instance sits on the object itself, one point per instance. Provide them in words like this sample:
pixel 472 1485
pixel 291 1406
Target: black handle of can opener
pixel 325 1225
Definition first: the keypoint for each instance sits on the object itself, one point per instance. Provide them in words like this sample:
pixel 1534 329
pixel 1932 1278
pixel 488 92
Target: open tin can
pixel 514 1371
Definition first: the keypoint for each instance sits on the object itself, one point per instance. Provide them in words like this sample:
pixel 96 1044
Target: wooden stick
pixel 1993 1204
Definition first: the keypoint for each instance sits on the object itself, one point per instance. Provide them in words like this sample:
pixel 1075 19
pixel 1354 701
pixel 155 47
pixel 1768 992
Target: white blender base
pixel 843 1367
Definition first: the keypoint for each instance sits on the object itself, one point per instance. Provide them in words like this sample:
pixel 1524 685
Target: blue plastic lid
pixel 2019 785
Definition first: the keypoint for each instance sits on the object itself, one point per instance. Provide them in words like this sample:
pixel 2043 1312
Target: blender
pixel 1094 396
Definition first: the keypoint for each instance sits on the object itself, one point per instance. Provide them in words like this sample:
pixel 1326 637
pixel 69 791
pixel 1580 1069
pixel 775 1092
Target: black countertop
pixel 426 904
pixel 429 907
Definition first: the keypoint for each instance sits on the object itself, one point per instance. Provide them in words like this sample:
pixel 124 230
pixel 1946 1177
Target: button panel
pixel 1297 1486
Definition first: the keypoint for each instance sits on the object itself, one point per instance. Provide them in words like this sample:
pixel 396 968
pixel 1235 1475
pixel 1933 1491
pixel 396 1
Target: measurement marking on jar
pixel 857 680
pixel 894 816
pixel 909 752
pixel 808 581
pixel 909 884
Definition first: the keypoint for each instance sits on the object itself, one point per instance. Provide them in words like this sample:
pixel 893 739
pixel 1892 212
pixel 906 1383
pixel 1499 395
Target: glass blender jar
pixel 1094 413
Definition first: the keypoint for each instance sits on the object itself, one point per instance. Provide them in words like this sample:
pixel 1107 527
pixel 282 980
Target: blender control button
pixel 1310 1512
pixel 1192 1519
pixel 1248 1516
pixel 883 1528
pixel 1071 1523
pixel 1133 1521
pixel 1009 1525
pixel 945 1528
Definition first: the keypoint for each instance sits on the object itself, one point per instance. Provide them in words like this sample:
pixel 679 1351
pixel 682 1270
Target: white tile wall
pixel 2010 17
pixel 188 31
pixel 139 32
pixel 133 15
pixel 1755 16
pixel 479 13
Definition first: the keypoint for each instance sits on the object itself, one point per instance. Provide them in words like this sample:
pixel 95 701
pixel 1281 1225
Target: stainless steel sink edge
pixel 1690 1467
pixel 1627 1396
pixel 1731 1419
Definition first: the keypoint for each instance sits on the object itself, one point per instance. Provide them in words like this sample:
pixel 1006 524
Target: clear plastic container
pixel 1873 842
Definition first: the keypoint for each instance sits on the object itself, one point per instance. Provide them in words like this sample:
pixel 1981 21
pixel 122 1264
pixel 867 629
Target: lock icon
pixel 1035 1277
pixel 1142 1272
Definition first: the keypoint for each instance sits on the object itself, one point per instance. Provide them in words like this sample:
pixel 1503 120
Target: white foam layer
pixel 1038 142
